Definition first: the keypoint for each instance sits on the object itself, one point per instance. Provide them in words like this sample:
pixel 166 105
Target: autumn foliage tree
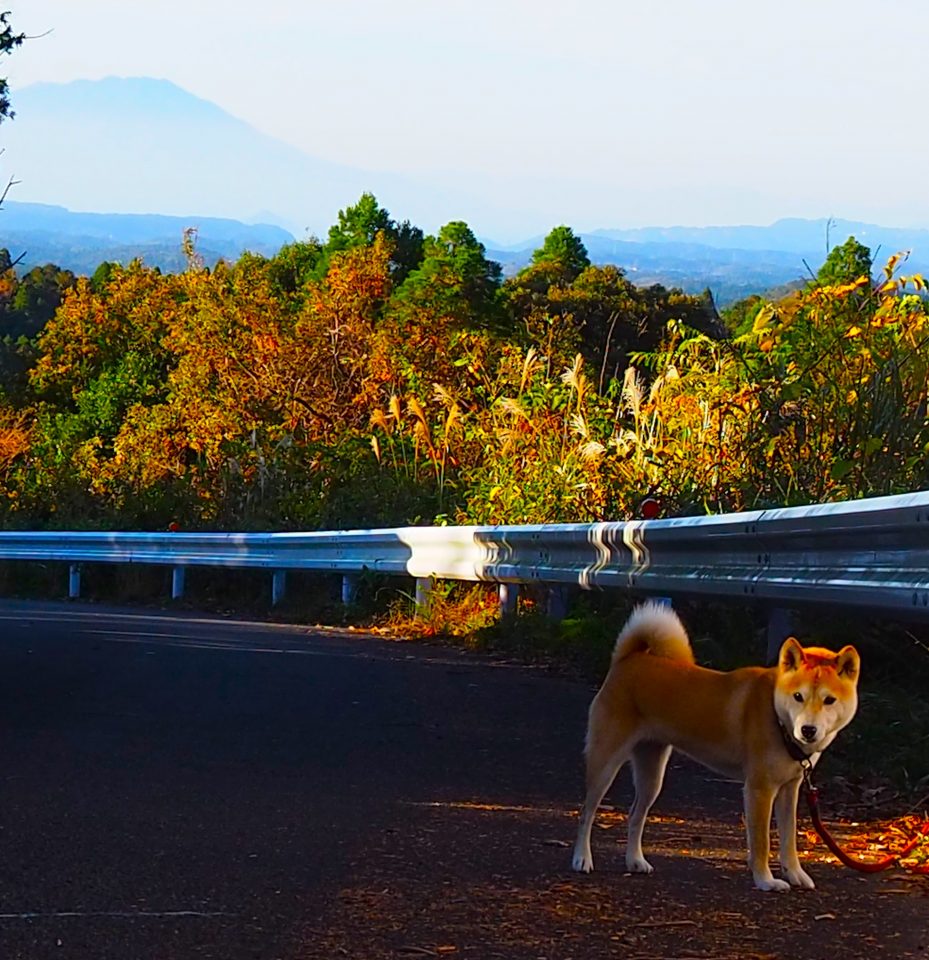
pixel 567 306
pixel 347 384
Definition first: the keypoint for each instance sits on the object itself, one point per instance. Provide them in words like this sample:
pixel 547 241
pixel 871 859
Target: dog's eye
pixel 798 697
pixel 828 701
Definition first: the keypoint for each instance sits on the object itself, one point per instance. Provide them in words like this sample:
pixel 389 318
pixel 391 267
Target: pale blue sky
pixel 593 113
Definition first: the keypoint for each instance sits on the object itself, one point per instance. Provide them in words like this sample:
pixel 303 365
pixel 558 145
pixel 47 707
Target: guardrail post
pixel 177 583
pixel 423 595
pixel 349 589
pixel 507 595
pixel 278 586
pixel 557 601
pixel 74 581
pixel 781 624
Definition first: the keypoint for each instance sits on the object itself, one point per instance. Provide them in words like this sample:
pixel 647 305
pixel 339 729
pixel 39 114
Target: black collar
pixel 793 748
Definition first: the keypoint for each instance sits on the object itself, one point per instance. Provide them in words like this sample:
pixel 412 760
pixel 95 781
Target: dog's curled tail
pixel 654 627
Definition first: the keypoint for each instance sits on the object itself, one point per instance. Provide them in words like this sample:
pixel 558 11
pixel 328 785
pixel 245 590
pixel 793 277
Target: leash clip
pixel 807 765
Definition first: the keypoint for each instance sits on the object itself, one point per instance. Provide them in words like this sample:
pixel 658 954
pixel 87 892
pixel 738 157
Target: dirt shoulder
pixel 491 880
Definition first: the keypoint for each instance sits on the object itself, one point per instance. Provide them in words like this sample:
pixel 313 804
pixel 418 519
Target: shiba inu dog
pixel 758 725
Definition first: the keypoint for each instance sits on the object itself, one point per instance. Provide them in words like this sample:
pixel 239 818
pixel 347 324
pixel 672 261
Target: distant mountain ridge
pixel 44 233
pixel 807 238
pixel 672 256
pixel 137 227
pixel 733 261
pixel 793 234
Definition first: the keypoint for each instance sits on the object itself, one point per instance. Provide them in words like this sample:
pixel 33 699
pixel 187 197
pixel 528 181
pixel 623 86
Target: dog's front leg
pixel 759 802
pixel 785 809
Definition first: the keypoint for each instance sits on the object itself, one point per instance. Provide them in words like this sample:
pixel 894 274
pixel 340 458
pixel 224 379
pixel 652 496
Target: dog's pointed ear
pixel 848 663
pixel 791 655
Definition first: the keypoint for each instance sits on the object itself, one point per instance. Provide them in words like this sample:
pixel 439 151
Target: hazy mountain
pixel 140 144
pixel 146 145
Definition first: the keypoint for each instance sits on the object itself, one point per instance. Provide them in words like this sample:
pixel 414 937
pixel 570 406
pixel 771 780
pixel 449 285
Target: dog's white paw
pixel 772 883
pixel 799 878
pixel 638 865
pixel 582 863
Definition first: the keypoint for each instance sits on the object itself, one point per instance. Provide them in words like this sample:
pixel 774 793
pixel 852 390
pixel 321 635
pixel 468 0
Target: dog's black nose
pixel 808 733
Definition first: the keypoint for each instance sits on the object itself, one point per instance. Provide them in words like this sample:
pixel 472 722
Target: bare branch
pixel 12 183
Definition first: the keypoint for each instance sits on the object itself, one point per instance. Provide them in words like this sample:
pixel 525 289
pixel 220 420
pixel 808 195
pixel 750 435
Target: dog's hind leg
pixel 607 750
pixel 649 761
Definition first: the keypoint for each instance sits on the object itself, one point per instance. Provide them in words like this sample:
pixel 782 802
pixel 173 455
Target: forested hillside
pixel 387 377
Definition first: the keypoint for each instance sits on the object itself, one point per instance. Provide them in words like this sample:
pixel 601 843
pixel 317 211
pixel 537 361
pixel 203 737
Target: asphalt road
pixel 185 787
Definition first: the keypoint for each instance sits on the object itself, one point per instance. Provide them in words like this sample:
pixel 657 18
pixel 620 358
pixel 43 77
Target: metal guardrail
pixel 866 553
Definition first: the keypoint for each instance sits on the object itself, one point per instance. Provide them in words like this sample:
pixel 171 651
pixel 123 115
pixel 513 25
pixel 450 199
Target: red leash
pixel 865 866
